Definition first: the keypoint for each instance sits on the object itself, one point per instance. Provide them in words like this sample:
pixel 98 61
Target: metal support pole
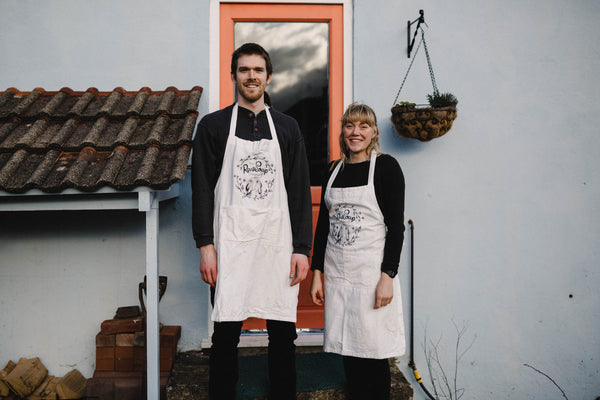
pixel 152 328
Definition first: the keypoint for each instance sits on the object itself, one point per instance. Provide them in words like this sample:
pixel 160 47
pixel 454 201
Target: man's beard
pixel 251 96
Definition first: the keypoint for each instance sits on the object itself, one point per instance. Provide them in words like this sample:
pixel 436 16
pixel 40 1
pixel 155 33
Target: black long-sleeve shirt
pixel 389 190
pixel 207 159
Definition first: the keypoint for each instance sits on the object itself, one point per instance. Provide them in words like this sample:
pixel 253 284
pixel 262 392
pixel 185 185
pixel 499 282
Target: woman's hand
pixel 316 289
pixel 384 293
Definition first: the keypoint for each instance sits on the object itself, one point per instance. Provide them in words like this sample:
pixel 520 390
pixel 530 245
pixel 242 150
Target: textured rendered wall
pixel 506 205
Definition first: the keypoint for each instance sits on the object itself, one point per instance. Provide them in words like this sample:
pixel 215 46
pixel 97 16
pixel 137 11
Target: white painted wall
pixel 506 205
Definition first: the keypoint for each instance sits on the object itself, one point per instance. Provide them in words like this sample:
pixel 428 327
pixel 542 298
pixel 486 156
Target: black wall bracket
pixel 420 20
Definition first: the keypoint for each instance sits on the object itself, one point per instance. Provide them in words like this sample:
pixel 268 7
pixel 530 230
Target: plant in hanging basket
pixel 425 123
pixel 438 99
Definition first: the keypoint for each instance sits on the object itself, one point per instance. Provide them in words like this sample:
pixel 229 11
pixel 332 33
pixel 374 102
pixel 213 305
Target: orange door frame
pixel 309 316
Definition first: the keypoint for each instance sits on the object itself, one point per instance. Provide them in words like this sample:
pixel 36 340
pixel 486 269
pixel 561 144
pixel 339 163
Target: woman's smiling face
pixel 357 136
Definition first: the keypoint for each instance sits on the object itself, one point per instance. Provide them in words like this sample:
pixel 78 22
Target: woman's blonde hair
pixel 361 113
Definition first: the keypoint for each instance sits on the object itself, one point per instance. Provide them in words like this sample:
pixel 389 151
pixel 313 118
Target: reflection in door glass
pixel 300 85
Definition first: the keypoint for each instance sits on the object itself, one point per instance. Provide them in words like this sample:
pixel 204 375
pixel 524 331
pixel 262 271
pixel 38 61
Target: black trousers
pixel 223 373
pixel 367 379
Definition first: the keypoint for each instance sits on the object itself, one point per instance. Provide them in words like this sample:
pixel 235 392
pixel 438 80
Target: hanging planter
pixel 424 122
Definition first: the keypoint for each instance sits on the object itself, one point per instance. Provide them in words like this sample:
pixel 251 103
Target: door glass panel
pixel 300 85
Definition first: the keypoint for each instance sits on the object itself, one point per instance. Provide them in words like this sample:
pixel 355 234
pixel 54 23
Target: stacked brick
pixel 121 357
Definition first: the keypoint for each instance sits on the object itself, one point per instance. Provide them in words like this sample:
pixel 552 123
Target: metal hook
pixel 420 20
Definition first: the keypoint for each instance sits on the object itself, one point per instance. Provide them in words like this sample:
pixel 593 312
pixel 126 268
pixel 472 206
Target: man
pixel 252 222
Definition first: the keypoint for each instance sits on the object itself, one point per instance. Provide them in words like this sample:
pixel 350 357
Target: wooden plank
pixel 71 386
pixel 27 375
pixel 45 391
pixel 4 389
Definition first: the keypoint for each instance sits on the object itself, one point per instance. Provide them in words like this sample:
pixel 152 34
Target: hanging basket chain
pixel 422 41
pixel 422 123
pixel 435 89
pixel 409 67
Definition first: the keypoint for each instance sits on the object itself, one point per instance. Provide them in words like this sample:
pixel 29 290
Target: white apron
pixel 352 270
pixel 253 235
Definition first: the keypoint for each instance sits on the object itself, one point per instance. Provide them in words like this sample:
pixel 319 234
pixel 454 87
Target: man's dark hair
pixel 250 49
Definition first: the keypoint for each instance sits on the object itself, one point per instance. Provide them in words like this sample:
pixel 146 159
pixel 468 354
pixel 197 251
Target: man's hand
pixel 316 289
pixel 208 264
pixel 384 293
pixel 299 268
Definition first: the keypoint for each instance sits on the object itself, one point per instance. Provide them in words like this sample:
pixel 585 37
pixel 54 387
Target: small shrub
pixel 442 99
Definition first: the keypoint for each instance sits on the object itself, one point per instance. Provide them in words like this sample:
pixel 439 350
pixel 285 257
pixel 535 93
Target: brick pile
pixel 121 357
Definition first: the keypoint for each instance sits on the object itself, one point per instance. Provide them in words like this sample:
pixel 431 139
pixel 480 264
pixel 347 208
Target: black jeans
pixel 223 373
pixel 367 378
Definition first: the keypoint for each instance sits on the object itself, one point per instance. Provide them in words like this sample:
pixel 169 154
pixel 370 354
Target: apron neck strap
pixel 233 123
pixel 337 168
pixel 333 175
pixel 372 166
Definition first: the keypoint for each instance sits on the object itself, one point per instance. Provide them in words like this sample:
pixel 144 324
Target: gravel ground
pixel 189 378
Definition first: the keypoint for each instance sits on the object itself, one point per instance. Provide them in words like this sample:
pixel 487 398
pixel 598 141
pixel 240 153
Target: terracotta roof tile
pixel 86 140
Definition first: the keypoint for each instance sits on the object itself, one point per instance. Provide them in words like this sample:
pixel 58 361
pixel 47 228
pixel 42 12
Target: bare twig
pixel 444 386
pixel 551 380
pixel 447 392
pixel 429 357
pixel 458 355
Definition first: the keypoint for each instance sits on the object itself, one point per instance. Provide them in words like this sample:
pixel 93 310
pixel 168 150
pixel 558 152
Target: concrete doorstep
pixel 189 378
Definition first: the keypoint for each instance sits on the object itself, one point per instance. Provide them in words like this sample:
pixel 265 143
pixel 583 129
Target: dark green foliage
pixel 442 99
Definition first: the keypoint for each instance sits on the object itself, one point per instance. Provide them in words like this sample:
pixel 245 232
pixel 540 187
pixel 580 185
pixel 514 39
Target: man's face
pixel 251 77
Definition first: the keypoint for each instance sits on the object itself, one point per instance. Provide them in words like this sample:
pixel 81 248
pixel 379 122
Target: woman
pixel 357 247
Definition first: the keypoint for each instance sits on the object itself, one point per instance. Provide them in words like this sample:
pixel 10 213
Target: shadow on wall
pixel 69 224
pixel 395 144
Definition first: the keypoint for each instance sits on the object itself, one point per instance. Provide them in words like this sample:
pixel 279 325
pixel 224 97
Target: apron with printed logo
pixel 253 235
pixel 352 270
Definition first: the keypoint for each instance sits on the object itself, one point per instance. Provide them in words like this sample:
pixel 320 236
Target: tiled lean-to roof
pixel 52 141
